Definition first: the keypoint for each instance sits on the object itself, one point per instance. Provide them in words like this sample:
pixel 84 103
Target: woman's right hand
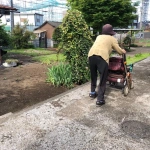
pixel 123 51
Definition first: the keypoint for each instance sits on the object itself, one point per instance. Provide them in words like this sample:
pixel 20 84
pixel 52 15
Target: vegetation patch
pixel 40 55
pixel 31 52
pixel 142 42
pixel 60 75
pixel 75 42
pixel 48 59
pixel 9 61
pixel 137 57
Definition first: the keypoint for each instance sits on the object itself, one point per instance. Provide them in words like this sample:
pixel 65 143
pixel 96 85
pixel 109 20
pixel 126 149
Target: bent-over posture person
pixel 99 60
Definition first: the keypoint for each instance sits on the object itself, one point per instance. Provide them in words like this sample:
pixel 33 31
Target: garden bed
pixel 24 85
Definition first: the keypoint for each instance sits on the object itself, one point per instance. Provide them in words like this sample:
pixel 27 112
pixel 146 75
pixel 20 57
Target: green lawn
pixel 39 55
pixel 31 52
pixel 49 59
pixel 137 57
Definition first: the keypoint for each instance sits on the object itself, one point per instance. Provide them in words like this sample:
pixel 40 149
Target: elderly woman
pixel 99 60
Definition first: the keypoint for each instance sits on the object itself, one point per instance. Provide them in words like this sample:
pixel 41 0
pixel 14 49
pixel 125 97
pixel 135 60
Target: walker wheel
pixel 132 84
pixel 126 90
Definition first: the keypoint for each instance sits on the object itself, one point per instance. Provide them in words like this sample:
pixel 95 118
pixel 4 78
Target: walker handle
pixel 124 57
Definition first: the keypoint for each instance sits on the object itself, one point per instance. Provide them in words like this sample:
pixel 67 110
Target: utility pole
pixel 11 16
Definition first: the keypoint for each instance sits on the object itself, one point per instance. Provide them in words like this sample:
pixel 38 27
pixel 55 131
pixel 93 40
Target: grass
pixel 48 59
pixel 137 57
pixel 40 55
pixel 143 42
pixel 147 45
pixel 31 52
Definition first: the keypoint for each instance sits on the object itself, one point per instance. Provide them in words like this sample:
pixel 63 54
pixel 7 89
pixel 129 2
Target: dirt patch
pixel 24 85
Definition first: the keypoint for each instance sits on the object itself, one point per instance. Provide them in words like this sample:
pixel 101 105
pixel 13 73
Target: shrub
pixel 21 37
pixel 57 36
pixel 60 75
pixel 4 36
pixel 75 42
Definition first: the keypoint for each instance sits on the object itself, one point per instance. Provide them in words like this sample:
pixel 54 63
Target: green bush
pixel 57 36
pixel 75 42
pixel 4 36
pixel 60 75
pixel 21 37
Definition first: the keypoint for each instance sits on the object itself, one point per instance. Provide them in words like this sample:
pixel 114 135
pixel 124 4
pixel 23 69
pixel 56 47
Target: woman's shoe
pixel 93 94
pixel 99 103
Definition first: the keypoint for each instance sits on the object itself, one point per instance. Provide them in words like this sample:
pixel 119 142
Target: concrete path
pixel 71 121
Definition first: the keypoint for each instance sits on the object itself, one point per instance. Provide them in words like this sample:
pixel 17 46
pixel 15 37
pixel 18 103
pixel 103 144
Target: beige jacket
pixel 103 46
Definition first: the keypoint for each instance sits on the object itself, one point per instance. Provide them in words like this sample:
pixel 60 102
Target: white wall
pixel 34 19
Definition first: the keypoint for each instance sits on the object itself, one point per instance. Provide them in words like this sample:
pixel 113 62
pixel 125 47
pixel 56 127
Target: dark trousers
pixel 98 65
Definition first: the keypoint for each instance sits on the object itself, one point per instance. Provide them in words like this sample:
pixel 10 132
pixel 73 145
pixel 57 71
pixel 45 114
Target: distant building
pixel 44 34
pixel 33 20
pixel 135 23
pixel 146 10
pixel 143 12
pixel 52 10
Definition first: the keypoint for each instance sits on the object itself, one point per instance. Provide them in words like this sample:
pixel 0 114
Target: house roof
pixel 52 23
pixel 21 14
pixel 5 10
pixel 127 29
pixel 39 31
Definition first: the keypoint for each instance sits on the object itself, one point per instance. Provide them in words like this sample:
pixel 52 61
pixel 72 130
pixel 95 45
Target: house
pixel 45 33
pixel 33 20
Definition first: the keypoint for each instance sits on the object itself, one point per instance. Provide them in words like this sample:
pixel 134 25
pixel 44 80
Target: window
pixel 37 20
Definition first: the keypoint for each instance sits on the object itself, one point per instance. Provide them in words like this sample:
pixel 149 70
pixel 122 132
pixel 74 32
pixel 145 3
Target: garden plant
pixel 75 42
